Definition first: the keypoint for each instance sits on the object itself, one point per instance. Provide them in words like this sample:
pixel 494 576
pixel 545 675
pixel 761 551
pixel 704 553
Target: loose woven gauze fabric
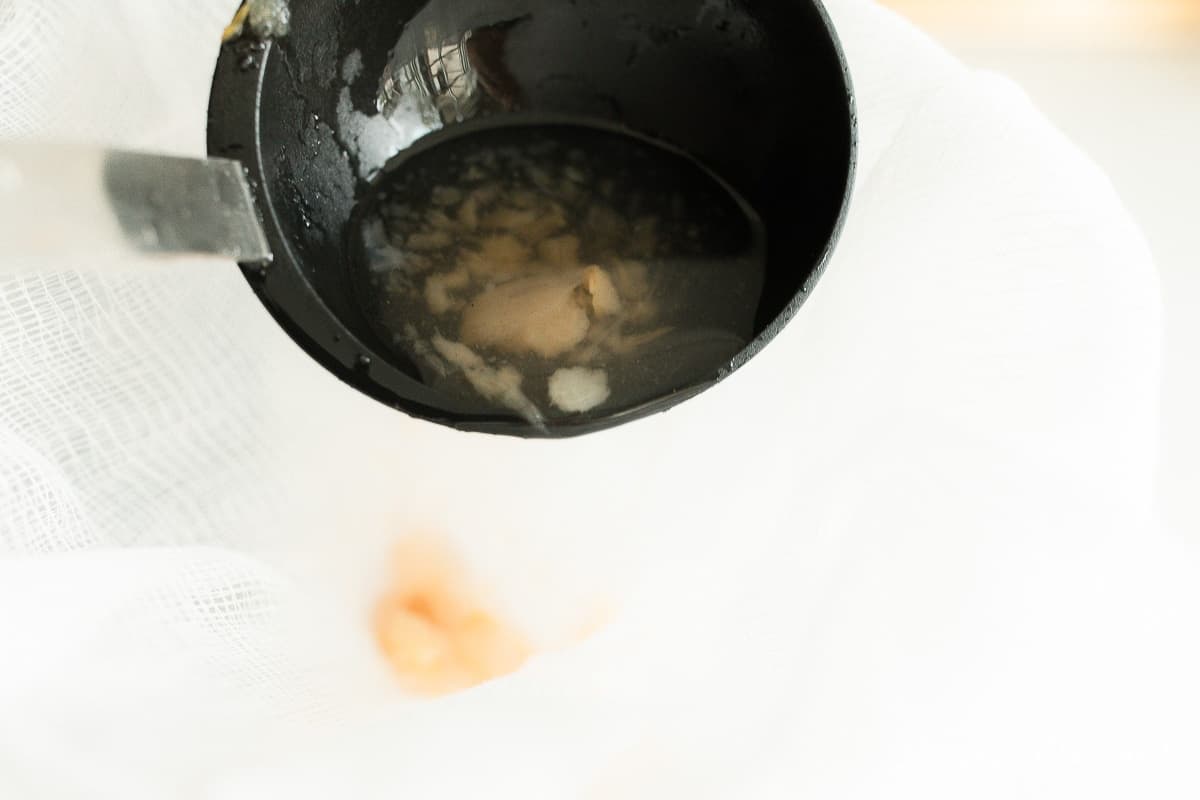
pixel 910 550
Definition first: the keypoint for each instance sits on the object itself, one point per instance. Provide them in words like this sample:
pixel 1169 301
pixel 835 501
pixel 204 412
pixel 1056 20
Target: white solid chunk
pixel 579 389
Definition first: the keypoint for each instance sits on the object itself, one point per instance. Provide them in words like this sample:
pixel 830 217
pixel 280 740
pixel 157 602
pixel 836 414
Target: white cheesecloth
pixel 910 550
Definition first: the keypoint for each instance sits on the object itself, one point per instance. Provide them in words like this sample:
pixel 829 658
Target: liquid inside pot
pixel 550 271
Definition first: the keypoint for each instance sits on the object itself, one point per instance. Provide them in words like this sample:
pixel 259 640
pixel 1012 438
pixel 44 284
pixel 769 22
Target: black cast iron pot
pixel 756 90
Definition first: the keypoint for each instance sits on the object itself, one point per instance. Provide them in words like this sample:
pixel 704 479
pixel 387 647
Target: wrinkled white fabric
pixel 910 550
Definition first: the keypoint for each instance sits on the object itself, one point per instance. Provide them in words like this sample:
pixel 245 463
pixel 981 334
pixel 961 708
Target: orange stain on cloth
pixel 433 629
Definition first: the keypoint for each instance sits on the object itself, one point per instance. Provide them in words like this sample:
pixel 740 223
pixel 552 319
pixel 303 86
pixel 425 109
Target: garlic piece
pixel 499 257
pixel 546 315
pixel 539 315
pixel 438 288
pixel 605 300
